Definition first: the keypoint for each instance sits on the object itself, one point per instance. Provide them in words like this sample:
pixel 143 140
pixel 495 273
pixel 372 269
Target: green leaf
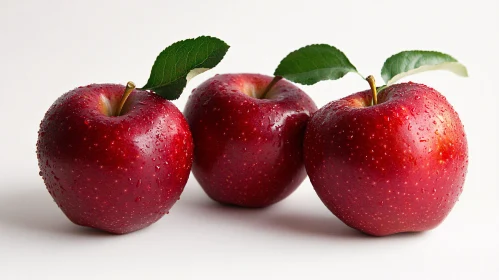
pixel 408 63
pixel 181 61
pixel 314 63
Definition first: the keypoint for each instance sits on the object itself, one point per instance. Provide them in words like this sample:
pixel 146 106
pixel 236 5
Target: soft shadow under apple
pixel 314 225
pixel 274 218
pixel 33 210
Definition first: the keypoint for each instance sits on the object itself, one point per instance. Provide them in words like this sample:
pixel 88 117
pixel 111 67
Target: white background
pixel 49 47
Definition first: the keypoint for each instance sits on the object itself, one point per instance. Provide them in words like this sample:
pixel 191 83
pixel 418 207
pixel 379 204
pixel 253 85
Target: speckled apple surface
pixel 398 166
pixel 117 174
pixel 248 148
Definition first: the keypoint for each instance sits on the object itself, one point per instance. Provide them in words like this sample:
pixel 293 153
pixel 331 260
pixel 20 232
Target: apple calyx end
pixel 130 86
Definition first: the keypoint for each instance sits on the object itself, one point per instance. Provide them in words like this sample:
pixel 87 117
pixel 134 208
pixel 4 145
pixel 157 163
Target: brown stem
pixel 372 83
pixel 130 86
pixel 269 87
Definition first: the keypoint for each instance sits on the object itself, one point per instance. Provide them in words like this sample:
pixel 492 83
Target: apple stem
pixel 372 83
pixel 271 84
pixel 130 86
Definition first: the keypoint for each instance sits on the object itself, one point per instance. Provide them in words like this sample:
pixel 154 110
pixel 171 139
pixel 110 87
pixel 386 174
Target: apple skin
pixel 117 174
pixel 398 166
pixel 248 151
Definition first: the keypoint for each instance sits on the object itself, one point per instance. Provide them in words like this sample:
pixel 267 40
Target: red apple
pixel 398 166
pixel 114 173
pixel 248 144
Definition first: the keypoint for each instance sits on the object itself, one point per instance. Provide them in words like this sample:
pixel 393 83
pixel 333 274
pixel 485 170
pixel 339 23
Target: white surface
pixel 48 48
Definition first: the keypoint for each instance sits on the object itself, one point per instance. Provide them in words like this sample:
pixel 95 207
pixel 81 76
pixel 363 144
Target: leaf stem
pixel 130 86
pixel 372 84
pixel 360 75
pixel 269 87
